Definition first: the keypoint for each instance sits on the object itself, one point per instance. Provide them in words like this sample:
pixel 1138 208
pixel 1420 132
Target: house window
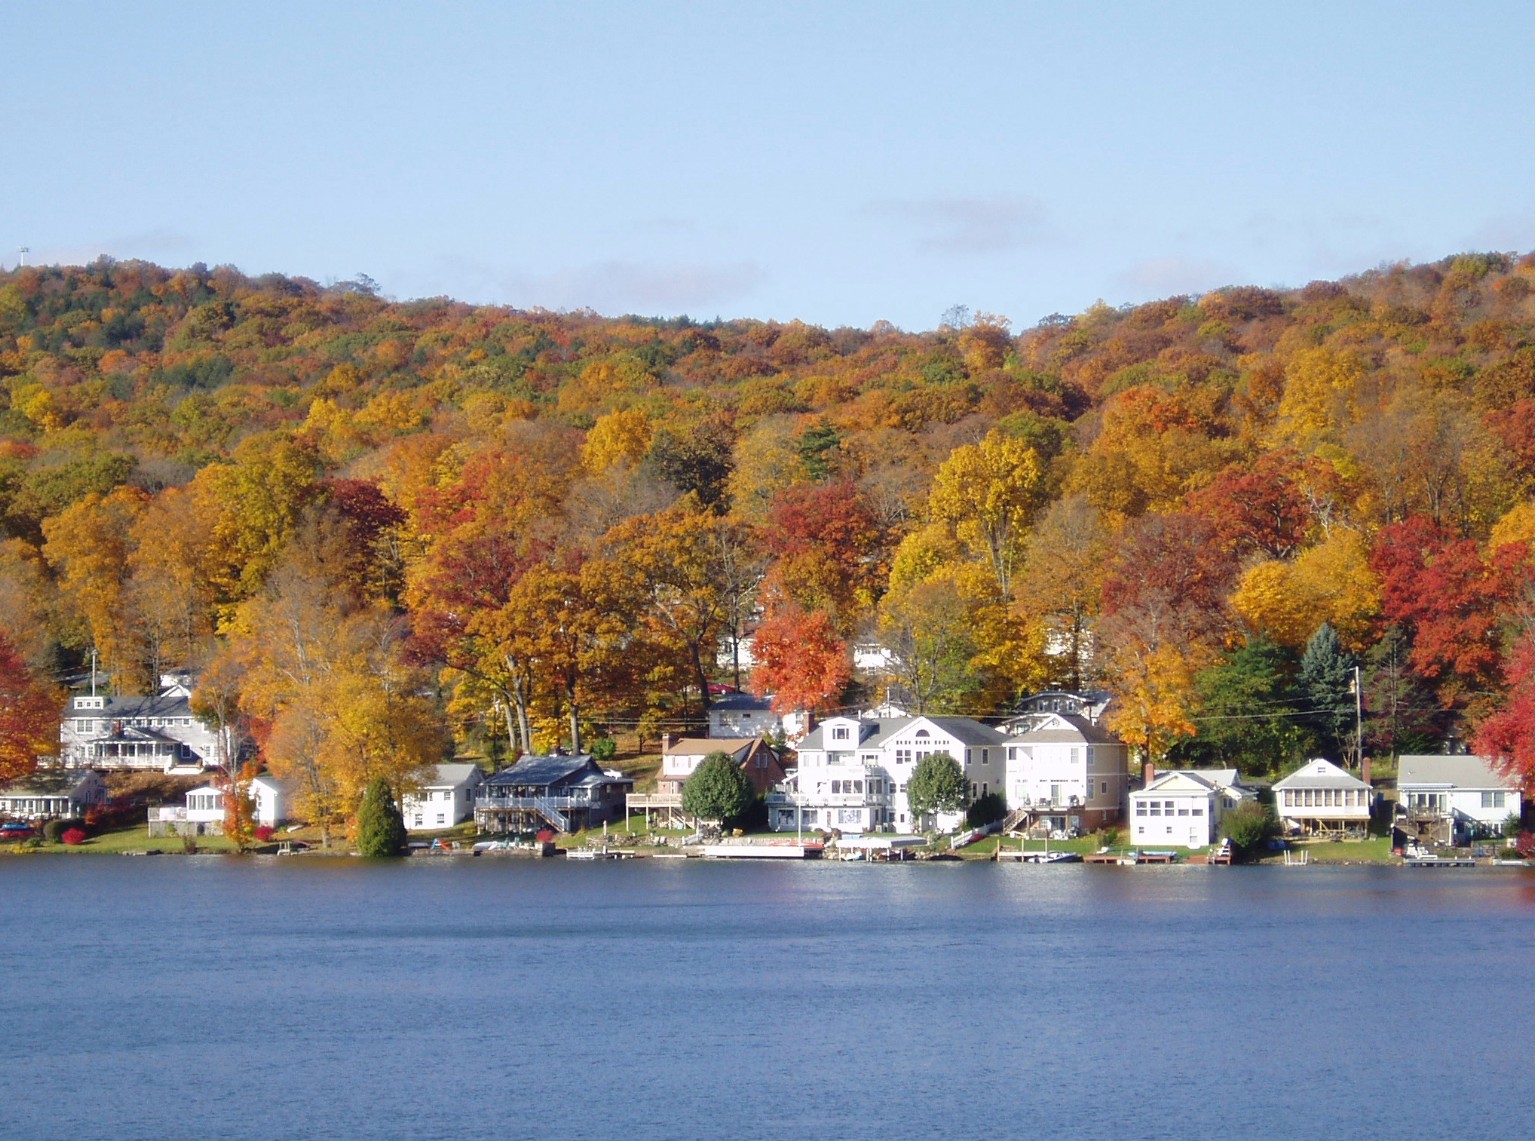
pixel 903 756
pixel 1493 800
pixel 984 756
pixel 1103 788
pixel 1141 808
pixel 1197 810
pixel 418 820
pixel 839 732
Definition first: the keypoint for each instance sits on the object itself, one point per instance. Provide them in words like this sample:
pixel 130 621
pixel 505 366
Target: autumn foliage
pixel 389 530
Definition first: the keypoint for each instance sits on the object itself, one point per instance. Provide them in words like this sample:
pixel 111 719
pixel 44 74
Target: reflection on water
pixel 491 998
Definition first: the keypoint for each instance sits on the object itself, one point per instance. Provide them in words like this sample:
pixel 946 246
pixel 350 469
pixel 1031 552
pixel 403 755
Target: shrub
pixel 603 749
pixel 264 832
pixel 53 830
pixel 73 836
pixel 1249 825
pixel 988 809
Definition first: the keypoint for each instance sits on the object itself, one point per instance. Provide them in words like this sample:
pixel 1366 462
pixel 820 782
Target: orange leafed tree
pixel 29 716
pixel 802 662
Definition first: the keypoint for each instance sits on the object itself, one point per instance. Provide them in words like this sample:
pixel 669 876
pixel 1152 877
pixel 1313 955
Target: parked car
pixel 15 830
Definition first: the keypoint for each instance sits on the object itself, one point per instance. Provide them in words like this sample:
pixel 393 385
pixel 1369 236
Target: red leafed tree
pixel 801 661
pixel 1506 735
pixel 1440 587
pixel 29 716
pixel 1258 508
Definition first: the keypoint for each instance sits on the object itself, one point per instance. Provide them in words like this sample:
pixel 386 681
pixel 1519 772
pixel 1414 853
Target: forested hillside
pixel 382 528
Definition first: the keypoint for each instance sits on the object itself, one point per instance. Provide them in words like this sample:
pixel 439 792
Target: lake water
pixel 257 998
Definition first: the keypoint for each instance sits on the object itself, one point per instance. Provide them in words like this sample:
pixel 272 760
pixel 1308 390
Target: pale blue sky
pixel 839 163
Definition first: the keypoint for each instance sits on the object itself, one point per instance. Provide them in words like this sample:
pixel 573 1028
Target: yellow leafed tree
pixel 1331 582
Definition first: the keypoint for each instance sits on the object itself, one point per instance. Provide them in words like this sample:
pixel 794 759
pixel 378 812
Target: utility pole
pixel 1359 738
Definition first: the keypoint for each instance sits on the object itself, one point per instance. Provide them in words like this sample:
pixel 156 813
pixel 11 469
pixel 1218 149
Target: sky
pixel 837 163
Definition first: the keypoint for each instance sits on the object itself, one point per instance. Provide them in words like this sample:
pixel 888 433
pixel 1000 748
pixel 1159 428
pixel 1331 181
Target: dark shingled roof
pixel 544 771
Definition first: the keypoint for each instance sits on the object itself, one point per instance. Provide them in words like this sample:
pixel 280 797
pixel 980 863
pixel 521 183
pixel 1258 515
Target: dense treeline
pixel 382 528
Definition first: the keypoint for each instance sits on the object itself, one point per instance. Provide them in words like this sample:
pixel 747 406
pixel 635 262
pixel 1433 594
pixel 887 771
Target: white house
pixel 200 814
pixel 50 793
pixel 1321 797
pixel 274 800
pixel 1184 808
pixel 853 771
pixel 1065 772
pixel 1463 790
pixel 157 732
pixel 446 798
pixel 738 715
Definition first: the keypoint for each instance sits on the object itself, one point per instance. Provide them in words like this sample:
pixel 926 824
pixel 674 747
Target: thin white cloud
pixel 968 226
pixel 613 287
pixel 1166 276
pixel 158 245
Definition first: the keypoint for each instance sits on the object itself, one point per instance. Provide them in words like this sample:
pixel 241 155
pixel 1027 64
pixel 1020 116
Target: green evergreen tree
pixel 718 790
pixel 1248 713
pixel 1325 681
pixel 937 784
pixel 380 827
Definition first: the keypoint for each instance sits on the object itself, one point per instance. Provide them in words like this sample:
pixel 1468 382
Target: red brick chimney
pixel 1365 769
pixel 1149 774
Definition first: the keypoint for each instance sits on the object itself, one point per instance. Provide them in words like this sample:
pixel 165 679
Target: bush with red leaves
pixel 74 836
pixel 264 832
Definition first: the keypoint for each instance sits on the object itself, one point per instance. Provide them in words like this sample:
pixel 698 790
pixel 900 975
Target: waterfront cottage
pixel 200 814
pixel 273 799
pixel 1184 808
pixel 1063 773
pixel 1322 799
pixel 49 793
pixel 446 798
pixel 564 792
pixel 1453 799
pixel 680 758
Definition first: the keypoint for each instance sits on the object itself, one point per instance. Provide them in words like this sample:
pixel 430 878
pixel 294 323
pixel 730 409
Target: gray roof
pixel 551 770
pixel 1462 771
pixel 741 702
pixel 1077 730
pixel 451 776
pixel 1331 777
pixel 122 708
pixel 48 782
pixel 869 733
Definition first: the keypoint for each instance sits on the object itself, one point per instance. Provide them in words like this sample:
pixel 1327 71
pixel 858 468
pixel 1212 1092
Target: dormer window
pixel 839 732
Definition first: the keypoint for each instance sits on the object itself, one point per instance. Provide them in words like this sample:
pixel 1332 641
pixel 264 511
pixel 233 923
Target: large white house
pixel 1184 808
pixel 1463 790
pixel 1065 772
pixel 157 732
pixel 1321 797
pixel 853 772
pixel 446 798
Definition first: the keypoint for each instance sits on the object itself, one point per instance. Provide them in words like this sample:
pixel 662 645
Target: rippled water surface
pixel 224 998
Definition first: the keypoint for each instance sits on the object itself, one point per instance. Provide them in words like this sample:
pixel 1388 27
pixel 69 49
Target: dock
pixel 762 851
pixel 1439 862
